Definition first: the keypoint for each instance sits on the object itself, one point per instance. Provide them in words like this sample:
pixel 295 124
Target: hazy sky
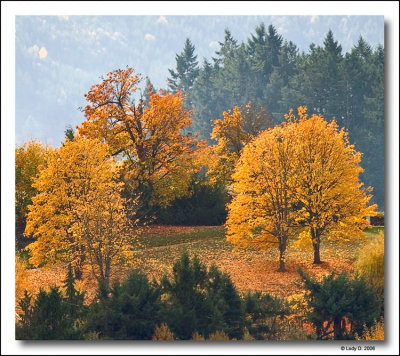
pixel 58 58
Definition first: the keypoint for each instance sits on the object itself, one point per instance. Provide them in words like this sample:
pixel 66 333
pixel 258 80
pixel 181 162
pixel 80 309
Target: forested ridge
pixel 273 73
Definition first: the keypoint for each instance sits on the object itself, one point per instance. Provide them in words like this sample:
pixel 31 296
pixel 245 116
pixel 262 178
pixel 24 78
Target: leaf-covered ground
pixel 159 247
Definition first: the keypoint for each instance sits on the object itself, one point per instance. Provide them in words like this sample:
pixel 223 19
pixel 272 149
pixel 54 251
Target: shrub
pixel 129 310
pixel 197 337
pixel 51 316
pixel 263 314
pixel 247 336
pixel 47 319
pixel 21 278
pixel 162 332
pixel 335 300
pixel 201 300
pixel 371 264
pixel 376 332
pixel 205 206
pixel 219 336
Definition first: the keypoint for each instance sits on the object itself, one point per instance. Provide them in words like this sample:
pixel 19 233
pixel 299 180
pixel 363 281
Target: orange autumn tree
pixel 261 213
pixel 79 215
pixel 232 133
pixel 331 200
pixel 28 158
pixel 157 156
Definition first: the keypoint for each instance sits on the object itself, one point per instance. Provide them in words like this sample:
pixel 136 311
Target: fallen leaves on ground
pixel 249 269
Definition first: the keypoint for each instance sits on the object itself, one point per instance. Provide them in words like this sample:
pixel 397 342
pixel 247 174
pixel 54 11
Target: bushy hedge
pixel 205 206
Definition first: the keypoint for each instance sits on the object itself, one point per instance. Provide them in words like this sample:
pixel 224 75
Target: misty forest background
pixel 265 68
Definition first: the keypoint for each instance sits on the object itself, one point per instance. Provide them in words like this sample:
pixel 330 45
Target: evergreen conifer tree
pixel 182 79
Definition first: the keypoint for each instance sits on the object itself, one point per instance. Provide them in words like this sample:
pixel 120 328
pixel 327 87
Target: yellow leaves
pixel 29 157
pixel 304 240
pixel 304 174
pixel 375 333
pixel 21 278
pixel 232 133
pixel 79 214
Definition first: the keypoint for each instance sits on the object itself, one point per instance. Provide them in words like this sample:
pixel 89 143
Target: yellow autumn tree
pixel 332 202
pixel 79 215
pixel 232 133
pixel 28 158
pixel 299 177
pixel 157 155
pixel 261 213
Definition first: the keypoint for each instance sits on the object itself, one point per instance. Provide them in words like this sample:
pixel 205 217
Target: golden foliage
pixel 261 212
pixel 332 201
pixel 219 335
pixel 375 333
pixel 79 214
pixel 197 337
pixel 232 133
pixel 29 157
pixel 149 137
pixel 21 278
pixel 162 333
pixel 299 177
pixel 247 336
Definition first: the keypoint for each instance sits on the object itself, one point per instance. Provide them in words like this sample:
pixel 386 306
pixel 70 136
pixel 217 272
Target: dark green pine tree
pixel 334 88
pixel 234 80
pixel 355 73
pixel 233 308
pixel 279 80
pixel 48 319
pixel 227 49
pixel 366 306
pixel 319 83
pixel 261 68
pixel 24 325
pixel 274 44
pixel 372 143
pixel 263 49
pixel 223 68
pixel 206 102
pixel 187 310
pixel 186 72
pixel 263 312
pixel 73 299
pixel 334 299
pixel 238 78
pixel 127 311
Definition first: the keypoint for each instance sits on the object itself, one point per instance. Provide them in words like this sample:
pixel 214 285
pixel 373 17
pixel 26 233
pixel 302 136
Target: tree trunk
pixel 282 249
pixel 316 243
pixel 337 329
pixel 317 257
pixel 107 273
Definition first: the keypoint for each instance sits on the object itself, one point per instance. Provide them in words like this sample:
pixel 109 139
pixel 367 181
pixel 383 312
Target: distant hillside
pixel 58 58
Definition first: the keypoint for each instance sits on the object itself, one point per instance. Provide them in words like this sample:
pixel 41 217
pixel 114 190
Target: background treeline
pixel 200 303
pixel 271 72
